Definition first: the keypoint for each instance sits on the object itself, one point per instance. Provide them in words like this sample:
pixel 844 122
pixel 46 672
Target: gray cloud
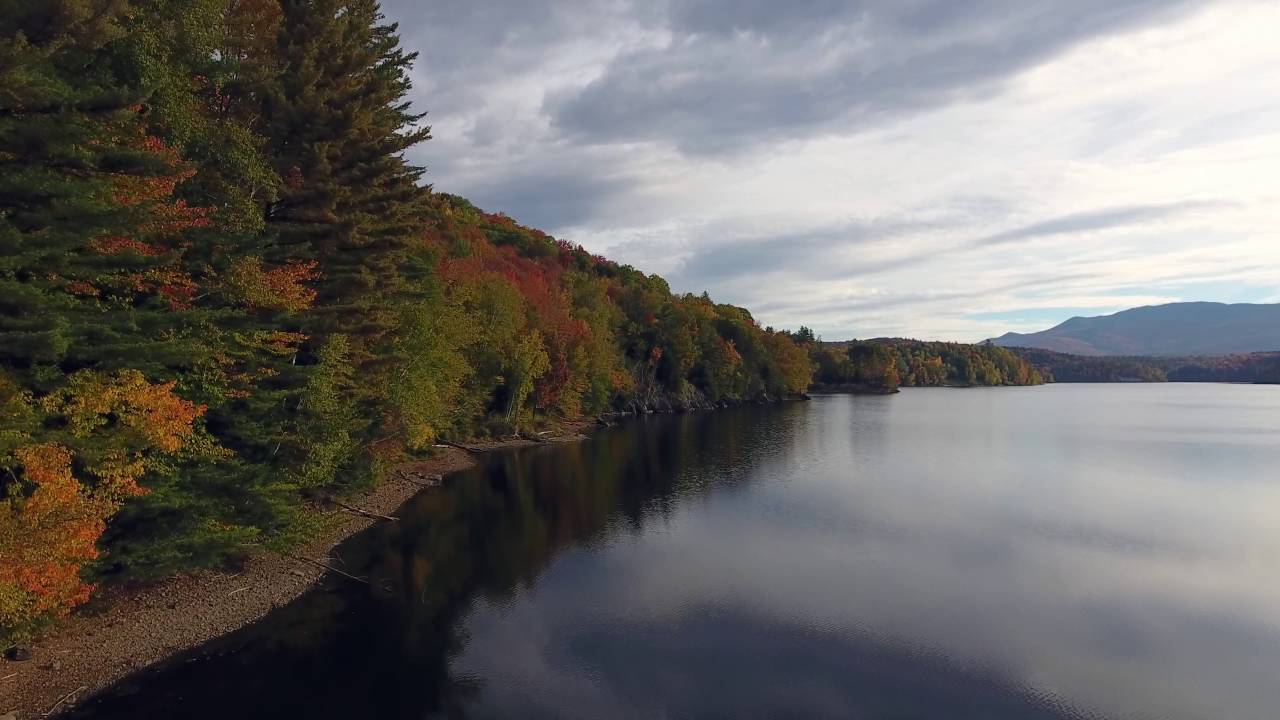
pixel 737 72
pixel 660 132
pixel 819 252
pixel 551 195
pixel 824 253
pixel 1091 220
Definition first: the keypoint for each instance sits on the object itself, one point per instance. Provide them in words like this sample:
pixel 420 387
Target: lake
pixel 1063 551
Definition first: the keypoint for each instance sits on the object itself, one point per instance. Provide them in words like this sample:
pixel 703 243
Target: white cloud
pixel 862 222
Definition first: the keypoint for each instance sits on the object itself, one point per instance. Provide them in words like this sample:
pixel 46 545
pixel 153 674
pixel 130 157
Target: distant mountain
pixel 1191 328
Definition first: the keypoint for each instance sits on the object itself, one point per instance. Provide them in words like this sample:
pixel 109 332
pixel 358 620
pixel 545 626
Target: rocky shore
pixel 125 630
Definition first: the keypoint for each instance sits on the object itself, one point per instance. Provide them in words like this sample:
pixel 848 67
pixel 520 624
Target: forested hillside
pixel 882 365
pixel 225 292
pixel 1246 367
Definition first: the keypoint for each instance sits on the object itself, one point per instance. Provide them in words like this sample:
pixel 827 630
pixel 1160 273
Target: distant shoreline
pixel 852 389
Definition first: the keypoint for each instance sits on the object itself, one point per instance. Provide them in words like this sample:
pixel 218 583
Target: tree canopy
pixel 225 291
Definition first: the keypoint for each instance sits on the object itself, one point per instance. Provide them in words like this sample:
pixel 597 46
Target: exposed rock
pixel 17 654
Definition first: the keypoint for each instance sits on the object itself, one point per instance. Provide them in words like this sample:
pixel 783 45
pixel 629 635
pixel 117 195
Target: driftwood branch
pixel 360 511
pixel 434 481
pixel 330 568
pixel 64 699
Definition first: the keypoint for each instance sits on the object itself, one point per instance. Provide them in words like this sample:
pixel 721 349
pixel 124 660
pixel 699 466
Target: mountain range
pixel 1187 328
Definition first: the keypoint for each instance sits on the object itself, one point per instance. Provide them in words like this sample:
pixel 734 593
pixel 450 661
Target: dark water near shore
pixel 1088 551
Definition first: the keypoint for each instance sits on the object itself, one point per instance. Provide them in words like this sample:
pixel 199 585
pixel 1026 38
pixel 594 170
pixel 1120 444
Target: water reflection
pixel 1056 552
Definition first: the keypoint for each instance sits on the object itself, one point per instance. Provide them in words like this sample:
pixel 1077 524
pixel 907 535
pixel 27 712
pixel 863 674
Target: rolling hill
pixel 1190 328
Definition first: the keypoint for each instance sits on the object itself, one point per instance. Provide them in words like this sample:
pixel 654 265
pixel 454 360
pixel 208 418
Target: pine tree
pixel 338 126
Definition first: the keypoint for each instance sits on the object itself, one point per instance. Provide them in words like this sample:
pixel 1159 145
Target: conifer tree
pixel 338 126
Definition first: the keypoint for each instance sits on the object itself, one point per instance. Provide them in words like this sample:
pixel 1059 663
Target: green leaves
pixel 224 292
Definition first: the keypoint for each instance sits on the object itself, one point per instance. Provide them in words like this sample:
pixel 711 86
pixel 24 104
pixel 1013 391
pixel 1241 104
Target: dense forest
pixel 882 365
pixel 1246 367
pixel 226 292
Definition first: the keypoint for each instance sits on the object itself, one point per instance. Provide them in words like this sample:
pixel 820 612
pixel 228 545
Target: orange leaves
pixel 116 425
pixel 152 415
pixel 729 352
pixel 279 342
pixel 45 538
pixel 49 467
pixel 280 288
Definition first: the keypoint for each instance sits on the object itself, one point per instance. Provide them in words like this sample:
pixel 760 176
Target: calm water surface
pixel 1070 551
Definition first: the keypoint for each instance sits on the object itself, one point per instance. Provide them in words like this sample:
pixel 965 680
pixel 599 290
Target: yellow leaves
pixel 119 472
pixel 94 400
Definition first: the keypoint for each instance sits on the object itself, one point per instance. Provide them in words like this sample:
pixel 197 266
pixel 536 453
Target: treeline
pixel 225 292
pixel 1246 368
pixel 882 365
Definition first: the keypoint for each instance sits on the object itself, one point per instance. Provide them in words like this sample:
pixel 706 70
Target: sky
pixel 921 168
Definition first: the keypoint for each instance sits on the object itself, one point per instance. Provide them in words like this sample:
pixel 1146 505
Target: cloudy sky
pixel 929 168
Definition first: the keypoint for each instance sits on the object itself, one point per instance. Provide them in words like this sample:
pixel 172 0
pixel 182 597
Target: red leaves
pixel 80 287
pixel 293 178
pixel 116 245
pixel 157 220
pixel 176 287
pixel 280 288
pixel 154 193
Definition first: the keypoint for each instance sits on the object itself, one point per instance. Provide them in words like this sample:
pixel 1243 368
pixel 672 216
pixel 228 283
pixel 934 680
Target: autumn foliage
pixel 115 428
pixel 224 290
pixel 46 538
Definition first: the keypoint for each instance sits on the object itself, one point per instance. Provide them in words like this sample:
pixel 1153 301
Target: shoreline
pixel 128 629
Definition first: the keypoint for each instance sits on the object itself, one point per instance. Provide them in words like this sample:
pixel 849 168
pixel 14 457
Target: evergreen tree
pixel 338 126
